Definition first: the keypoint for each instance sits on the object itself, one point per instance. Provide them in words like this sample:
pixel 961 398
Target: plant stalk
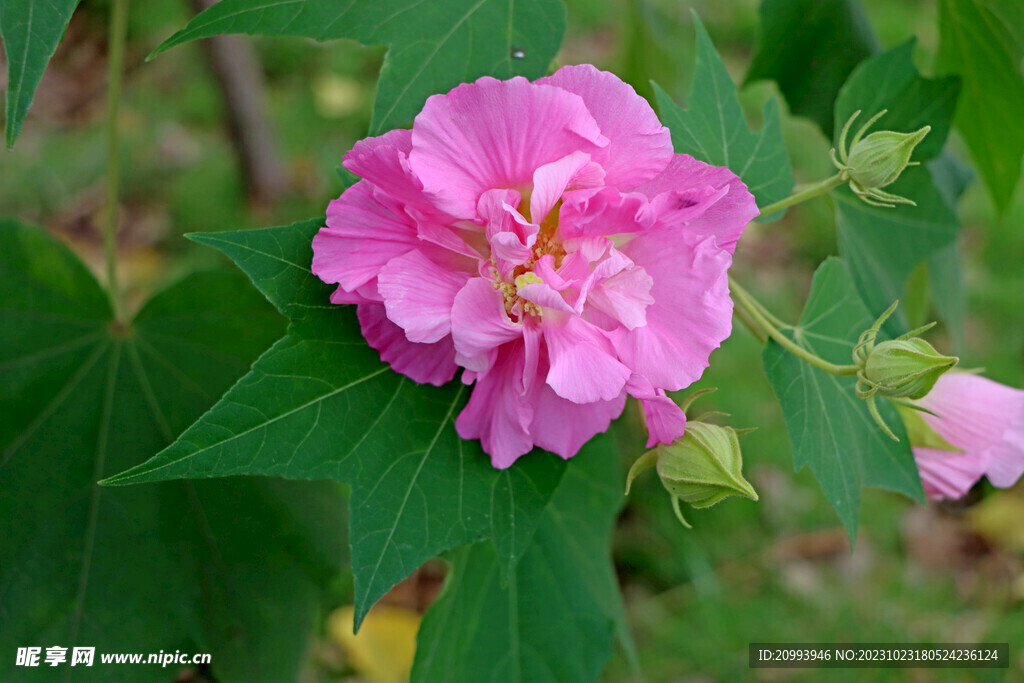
pixel 803 194
pixel 117 36
pixel 755 313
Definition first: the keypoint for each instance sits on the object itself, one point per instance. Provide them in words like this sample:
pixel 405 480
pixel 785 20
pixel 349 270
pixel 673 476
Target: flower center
pixel 546 245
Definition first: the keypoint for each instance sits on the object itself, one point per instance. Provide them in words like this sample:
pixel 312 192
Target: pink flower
pixel 544 237
pixel 982 418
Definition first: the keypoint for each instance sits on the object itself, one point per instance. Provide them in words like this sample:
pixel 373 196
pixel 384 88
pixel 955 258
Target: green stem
pixel 118 29
pixel 756 313
pixel 750 324
pixel 803 194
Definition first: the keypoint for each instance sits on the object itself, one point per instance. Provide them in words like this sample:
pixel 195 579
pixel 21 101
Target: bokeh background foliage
pixel 248 569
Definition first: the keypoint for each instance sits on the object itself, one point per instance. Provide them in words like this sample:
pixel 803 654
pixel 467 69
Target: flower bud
pixel 870 163
pixel 905 368
pixel 880 158
pixel 700 468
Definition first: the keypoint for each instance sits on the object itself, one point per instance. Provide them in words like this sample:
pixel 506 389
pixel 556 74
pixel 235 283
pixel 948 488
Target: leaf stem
pixel 750 324
pixel 754 313
pixel 804 193
pixel 118 31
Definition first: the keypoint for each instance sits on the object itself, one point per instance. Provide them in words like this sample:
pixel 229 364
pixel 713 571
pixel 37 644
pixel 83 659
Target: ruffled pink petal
pixel 445 236
pixel 532 348
pixel 640 147
pixel 544 295
pixel 562 426
pixel 509 235
pixel 691 313
pixel 665 420
pixel 575 171
pixel 383 161
pixel 970 410
pixel 418 295
pixel 480 324
pixel 364 294
pixel 947 474
pixel 602 212
pixel 983 418
pixel 495 134
pixel 624 297
pixel 497 413
pixel 545 270
pixel 584 368
pixel 725 218
pixel 423 363
pixel 364 231
pixel 1006 459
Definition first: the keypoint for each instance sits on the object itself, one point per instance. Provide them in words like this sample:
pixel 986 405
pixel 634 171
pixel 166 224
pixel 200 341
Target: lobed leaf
pixel 321 404
pixel 983 42
pixel 883 246
pixel 714 130
pixel 890 81
pixel 433 46
pixel 555 617
pixel 809 48
pixel 30 30
pixel 231 568
pixel 829 428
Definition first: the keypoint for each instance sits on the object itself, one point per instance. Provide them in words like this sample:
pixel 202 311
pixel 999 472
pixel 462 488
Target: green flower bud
pixel 905 368
pixel 870 163
pixel 880 158
pixel 700 468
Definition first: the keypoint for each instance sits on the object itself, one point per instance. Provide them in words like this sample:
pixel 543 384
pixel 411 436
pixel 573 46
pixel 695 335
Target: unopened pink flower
pixel 982 418
pixel 544 237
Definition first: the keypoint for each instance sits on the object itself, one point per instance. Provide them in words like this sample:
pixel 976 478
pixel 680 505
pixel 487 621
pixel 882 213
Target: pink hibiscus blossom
pixel 544 237
pixel 982 418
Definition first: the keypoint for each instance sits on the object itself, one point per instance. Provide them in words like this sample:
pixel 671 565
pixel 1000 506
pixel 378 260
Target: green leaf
pixel 983 41
pixel 321 404
pixel 433 46
pixel 829 428
pixel 882 246
pixel 891 81
pixel 714 130
pixel 30 30
pixel 233 568
pixel 946 290
pixel 809 48
pixel 555 618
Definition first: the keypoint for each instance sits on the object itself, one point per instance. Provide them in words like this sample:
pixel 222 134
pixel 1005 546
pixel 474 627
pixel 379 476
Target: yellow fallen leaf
pixel 337 96
pixel 997 518
pixel 384 648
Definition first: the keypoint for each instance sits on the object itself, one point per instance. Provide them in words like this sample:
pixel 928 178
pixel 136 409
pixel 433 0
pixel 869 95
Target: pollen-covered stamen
pixel 546 245
pixel 515 306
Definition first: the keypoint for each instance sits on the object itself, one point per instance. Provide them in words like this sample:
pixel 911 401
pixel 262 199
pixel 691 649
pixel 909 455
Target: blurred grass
pixel 777 570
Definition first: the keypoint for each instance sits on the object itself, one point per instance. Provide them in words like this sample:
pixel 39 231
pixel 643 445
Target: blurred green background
pixel 777 570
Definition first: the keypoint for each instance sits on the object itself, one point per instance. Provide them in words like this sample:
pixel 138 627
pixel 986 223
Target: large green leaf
pixel 30 30
pixel 714 130
pixel 881 245
pixel 554 619
pixel 321 404
pixel 891 81
pixel 983 41
pixel 233 568
pixel 809 47
pixel 829 428
pixel 433 46
pixel 947 293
